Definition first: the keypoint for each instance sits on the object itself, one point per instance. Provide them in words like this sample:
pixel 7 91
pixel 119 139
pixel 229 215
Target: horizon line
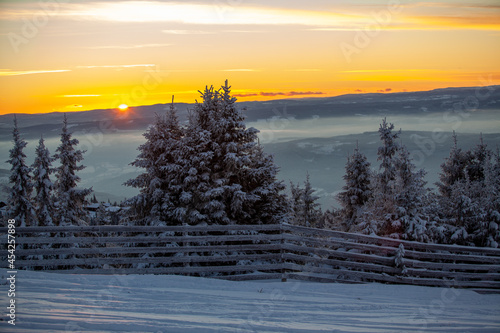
pixel 299 97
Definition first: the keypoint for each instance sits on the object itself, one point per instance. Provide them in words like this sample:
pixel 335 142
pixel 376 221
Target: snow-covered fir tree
pixel 20 206
pixel 230 179
pixel 411 197
pixel 159 157
pixel 479 160
pixel 306 209
pixel 357 189
pixel 453 169
pixel 220 175
pixel 260 180
pixel 42 169
pixel 387 155
pixel 390 202
pixel 380 218
pixel 102 216
pixel 296 202
pixel 492 180
pixel 482 222
pixel 70 199
pixel 469 197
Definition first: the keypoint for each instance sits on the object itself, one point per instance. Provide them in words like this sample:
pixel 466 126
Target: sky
pixel 83 55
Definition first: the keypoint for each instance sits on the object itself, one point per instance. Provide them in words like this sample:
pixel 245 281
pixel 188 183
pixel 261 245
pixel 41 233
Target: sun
pixel 123 107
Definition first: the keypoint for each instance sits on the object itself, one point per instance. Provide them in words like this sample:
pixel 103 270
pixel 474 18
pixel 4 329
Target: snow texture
pixel 144 303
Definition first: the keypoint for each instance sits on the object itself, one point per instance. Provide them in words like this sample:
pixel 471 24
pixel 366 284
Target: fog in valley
pixel 312 136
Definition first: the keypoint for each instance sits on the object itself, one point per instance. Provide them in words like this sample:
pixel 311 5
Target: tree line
pixel 213 170
pixel 35 200
pixel 394 200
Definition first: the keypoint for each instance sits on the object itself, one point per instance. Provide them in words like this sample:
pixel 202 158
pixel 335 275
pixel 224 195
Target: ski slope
pixel 49 302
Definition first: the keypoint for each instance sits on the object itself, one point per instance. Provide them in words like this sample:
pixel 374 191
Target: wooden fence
pixel 345 257
pixel 242 252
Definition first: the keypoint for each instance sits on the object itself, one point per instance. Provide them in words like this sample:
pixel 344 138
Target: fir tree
pixel 306 210
pixel 492 188
pixel 220 174
pixel 357 188
pixel 296 202
pixel 478 161
pixel 411 198
pixel 20 207
pixel 42 168
pixel 70 199
pixel 260 180
pixel 102 217
pixel 482 224
pixel 230 178
pixel 469 196
pixel 380 217
pixel 159 157
pixel 453 169
pixel 386 154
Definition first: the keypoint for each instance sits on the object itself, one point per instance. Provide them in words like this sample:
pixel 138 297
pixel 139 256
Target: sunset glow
pixel 83 55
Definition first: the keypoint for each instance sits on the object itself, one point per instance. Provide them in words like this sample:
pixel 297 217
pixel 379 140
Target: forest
pixel 213 170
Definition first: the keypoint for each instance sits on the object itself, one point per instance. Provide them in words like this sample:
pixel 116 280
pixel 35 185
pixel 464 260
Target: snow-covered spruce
pixel 305 209
pixel 102 217
pixel 212 172
pixel 160 158
pixel 20 206
pixel 70 199
pixel 411 197
pixel 356 191
pixel 388 203
pixel 379 217
pixel 387 155
pixel 469 198
pixel 42 168
pixel 453 169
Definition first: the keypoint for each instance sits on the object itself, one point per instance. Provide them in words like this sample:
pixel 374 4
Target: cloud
pixel 304 70
pixel 383 70
pixel 79 96
pixel 126 47
pixel 8 72
pixel 272 94
pixel 245 95
pixel 240 70
pixel 298 93
pixel 183 12
pixel 358 90
pixel 479 22
pixel 118 66
pixel 187 32
pixel 384 90
pixel 345 16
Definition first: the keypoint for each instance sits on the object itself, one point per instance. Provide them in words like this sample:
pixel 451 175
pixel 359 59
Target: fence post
pixel 282 259
pixel 185 235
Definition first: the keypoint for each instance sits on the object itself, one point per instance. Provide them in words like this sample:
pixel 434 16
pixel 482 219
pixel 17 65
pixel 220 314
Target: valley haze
pixel 306 135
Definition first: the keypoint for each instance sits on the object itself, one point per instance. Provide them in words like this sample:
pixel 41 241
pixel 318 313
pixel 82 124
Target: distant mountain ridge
pixel 372 104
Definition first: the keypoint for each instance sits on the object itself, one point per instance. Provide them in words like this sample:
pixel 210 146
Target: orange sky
pixel 82 55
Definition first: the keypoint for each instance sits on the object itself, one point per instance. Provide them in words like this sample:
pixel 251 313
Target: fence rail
pixel 242 252
pixel 339 256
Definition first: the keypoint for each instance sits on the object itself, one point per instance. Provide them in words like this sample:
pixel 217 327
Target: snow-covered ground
pixel 48 302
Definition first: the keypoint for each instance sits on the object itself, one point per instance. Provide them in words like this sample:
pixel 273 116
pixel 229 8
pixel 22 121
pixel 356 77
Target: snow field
pixel 50 302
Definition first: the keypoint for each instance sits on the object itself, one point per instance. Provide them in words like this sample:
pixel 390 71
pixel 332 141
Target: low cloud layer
pixel 272 94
